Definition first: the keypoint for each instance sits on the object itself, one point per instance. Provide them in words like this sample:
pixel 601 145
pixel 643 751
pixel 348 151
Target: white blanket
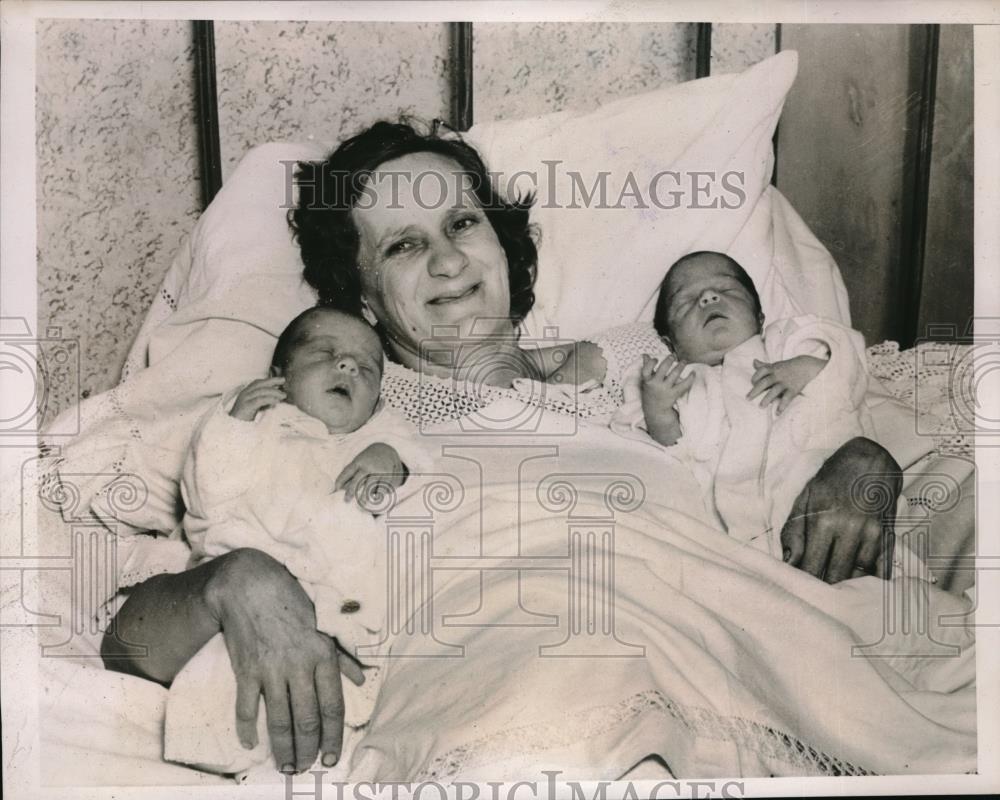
pixel 747 669
pixel 743 655
pixel 583 617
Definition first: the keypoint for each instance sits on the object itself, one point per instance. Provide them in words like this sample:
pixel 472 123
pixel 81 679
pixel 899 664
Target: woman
pixel 408 230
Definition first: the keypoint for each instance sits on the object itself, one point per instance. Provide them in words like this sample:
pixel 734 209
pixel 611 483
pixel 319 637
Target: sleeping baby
pixel 279 466
pixel 755 414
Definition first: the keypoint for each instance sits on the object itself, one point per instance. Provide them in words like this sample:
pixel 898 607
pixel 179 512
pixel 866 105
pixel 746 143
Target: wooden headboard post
pixel 703 50
pixel 208 110
pixel 461 75
pixel 914 233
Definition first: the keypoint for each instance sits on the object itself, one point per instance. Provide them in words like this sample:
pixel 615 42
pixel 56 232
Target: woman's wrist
pixel 231 573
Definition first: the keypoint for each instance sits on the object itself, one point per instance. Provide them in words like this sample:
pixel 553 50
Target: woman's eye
pixel 464 223
pixel 402 246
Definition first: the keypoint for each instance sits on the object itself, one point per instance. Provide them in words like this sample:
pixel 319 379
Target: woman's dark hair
pixel 328 190
pixel 660 320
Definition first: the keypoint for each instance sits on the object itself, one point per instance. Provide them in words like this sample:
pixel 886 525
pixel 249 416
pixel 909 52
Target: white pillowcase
pixel 598 267
pixel 238 281
pixel 602 265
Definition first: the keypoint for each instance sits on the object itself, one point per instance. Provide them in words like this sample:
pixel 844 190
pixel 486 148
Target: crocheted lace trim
pixel 428 400
pixel 783 753
pixel 936 379
pixel 928 377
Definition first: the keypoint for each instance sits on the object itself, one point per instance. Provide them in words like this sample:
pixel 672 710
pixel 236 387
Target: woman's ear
pixel 368 314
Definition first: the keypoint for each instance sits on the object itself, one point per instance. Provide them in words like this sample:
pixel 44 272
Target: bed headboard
pixel 874 148
pixel 885 256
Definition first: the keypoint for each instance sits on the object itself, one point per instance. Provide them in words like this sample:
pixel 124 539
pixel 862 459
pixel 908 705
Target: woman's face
pixel 430 262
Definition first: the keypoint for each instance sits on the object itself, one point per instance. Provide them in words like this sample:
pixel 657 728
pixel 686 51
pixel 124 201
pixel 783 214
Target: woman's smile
pixel 428 265
pixel 458 296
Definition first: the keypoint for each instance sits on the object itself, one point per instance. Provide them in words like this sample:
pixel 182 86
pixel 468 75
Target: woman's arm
pixel 270 631
pixel 572 363
pixel 163 623
pixel 842 521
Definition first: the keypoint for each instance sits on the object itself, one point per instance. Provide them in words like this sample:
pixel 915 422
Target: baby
pixel 278 466
pixel 754 414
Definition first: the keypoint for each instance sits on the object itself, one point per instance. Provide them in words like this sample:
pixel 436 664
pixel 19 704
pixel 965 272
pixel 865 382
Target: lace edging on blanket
pixel 772 746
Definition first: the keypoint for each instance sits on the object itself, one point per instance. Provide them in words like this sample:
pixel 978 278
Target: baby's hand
pixel 783 380
pixel 378 462
pixel 263 393
pixel 661 387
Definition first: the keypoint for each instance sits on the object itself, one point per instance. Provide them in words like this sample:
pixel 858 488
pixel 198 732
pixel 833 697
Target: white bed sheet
pixel 709 658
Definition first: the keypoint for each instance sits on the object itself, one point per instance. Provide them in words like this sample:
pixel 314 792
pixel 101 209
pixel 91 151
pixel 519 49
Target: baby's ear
pixel 274 371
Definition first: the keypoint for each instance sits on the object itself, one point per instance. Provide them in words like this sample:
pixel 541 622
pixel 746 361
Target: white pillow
pixel 598 267
pixel 602 265
pixel 238 281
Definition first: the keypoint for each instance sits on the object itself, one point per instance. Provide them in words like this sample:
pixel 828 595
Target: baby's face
pixel 709 311
pixel 335 373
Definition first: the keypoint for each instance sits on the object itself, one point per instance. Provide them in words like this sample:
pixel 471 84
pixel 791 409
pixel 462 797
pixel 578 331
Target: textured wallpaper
pixel 737 46
pixel 524 69
pixel 117 139
pixel 324 80
pixel 117 180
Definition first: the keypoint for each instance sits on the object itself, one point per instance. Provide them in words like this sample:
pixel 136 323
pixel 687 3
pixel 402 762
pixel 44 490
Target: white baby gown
pixel 268 485
pixel 752 462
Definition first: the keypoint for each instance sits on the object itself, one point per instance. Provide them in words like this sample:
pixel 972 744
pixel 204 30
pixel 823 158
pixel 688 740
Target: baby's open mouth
pixel 454 297
pixel 340 390
pixel 713 316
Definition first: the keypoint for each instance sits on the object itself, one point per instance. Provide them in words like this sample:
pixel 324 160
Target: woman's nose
pixel 447 260
pixel 708 297
pixel 347 364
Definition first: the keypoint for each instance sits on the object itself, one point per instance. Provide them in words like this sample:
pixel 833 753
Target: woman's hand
pixel 835 529
pixel 263 393
pixel 378 462
pixel 269 626
pixel 783 380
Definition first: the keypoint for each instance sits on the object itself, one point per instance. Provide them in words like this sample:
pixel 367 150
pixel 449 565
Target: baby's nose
pixel 348 365
pixel 708 297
